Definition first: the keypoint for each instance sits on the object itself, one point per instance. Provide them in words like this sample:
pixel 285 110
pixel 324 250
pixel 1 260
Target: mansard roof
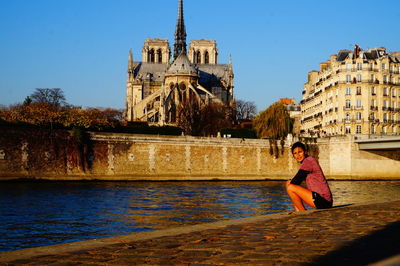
pixel 370 54
pixel 394 58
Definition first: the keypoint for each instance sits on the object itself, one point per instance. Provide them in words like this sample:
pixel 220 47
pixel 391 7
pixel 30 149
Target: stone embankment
pixel 346 235
pixel 61 155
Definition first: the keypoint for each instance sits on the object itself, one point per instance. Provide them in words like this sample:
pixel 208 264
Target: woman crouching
pixel 317 194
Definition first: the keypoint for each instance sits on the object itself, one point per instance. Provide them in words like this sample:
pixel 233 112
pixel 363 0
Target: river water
pixel 44 213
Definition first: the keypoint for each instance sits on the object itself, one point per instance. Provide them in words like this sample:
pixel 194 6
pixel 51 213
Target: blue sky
pixel 82 46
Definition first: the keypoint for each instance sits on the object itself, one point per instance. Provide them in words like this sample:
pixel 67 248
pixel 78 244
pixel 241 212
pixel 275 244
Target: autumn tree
pixel 275 124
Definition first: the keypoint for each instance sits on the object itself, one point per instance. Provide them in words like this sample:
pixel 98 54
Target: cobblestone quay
pixel 345 235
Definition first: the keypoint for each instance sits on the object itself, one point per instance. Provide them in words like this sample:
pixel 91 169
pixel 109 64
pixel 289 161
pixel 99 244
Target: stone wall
pixel 183 158
pixel 58 155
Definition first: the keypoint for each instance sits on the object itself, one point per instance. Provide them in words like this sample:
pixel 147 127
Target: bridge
pixel 381 143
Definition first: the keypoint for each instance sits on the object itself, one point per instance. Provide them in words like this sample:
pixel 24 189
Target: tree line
pixel 48 107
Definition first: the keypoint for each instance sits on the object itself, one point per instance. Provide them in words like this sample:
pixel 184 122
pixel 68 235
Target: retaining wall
pixel 107 156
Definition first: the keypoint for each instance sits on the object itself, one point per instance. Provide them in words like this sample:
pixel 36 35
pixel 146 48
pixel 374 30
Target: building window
pixel 383 66
pixel 358 91
pixel 371 66
pixel 385 117
pixel 348 78
pixel 393 92
pixel 385 79
pixel 348 104
pixel 358 129
pixel 348 66
pixel 359 79
pixel 358 116
pixel 347 117
pixel 348 129
pixel 385 92
pixel 358 104
pixel 384 130
pixel 385 104
pixel 359 66
pixel 372 129
pixel 348 91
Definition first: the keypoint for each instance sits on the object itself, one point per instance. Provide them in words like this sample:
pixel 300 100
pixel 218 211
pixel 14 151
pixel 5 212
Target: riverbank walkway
pixel 345 235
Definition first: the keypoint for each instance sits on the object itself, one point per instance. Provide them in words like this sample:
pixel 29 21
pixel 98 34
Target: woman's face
pixel 298 154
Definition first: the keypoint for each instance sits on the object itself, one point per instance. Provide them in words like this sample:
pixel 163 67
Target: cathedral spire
pixel 130 60
pixel 180 33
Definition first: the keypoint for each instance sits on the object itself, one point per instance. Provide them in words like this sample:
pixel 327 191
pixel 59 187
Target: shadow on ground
pixel 375 247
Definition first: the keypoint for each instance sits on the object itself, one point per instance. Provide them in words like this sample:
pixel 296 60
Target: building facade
pixel 354 92
pixel 158 84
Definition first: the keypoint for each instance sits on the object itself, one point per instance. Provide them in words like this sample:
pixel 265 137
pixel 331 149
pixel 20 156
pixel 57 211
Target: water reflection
pixel 44 213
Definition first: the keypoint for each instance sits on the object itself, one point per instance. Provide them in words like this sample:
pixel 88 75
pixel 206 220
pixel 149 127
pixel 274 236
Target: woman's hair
pixel 299 144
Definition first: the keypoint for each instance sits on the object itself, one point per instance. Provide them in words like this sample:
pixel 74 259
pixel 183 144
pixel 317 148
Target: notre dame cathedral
pixel 155 86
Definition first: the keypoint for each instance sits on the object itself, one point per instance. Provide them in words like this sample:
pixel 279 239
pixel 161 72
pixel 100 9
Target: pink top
pixel 315 180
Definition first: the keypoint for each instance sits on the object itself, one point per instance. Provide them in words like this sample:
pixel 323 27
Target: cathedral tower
pixel 180 33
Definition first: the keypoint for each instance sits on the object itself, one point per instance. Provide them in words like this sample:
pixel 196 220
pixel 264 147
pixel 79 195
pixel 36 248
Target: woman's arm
pixel 299 177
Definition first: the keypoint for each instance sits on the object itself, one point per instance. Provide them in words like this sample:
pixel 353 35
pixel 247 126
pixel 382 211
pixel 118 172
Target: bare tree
pixel 198 119
pixel 53 96
pixel 245 110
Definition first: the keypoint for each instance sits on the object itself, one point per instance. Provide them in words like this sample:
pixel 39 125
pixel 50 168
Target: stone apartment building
pixel 354 92
pixel 159 83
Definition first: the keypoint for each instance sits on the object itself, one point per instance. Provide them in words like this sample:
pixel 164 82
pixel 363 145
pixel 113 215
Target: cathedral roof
pixel 154 72
pixel 212 75
pixel 182 65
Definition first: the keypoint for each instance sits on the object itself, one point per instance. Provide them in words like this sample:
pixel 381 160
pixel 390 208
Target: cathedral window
pixel 198 57
pixel 206 58
pixel 182 86
pixel 150 56
pixel 159 56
